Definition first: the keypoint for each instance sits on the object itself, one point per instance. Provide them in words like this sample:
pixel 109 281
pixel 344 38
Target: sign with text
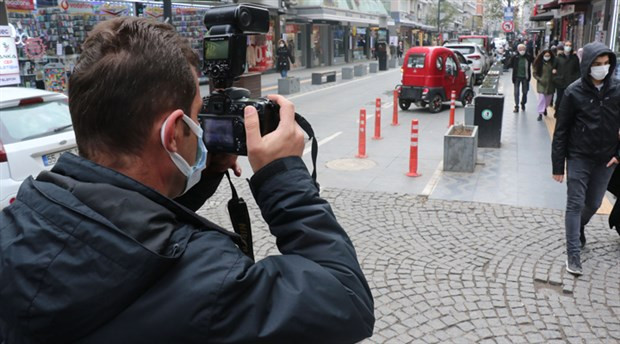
pixel 27 5
pixel 508 13
pixel 9 63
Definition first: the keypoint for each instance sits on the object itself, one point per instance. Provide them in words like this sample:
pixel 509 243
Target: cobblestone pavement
pixel 464 272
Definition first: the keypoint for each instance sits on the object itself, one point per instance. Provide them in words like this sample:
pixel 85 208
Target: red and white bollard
pixel 377 120
pixel 452 108
pixel 395 114
pixel 361 147
pixel 413 150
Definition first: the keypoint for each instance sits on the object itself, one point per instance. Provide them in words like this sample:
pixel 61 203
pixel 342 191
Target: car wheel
pixel 468 97
pixel 404 104
pixel 435 104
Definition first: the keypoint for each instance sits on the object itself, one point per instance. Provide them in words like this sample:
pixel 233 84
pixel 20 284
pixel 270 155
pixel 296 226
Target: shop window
pixel 439 63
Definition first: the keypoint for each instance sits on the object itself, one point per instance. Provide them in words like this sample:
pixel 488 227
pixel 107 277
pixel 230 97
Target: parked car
pixel 480 60
pixel 430 74
pixel 469 72
pixel 35 128
pixel 483 41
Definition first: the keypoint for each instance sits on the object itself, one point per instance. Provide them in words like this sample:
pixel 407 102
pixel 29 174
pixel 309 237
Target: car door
pixel 450 72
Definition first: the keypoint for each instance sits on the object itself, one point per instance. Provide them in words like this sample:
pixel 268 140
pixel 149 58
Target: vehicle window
pixel 461 59
pixel 40 119
pixel 439 63
pixel 450 65
pixel 416 61
pixel 463 50
pixel 479 41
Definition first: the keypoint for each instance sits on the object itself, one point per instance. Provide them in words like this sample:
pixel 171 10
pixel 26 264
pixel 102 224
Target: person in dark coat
pixel 614 188
pixel 565 70
pixel 586 140
pixel 543 65
pixel 98 250
pixel 521 75
pixel 283 58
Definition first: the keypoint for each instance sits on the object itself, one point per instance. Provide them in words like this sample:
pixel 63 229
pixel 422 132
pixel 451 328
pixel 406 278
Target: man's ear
pixel 173 130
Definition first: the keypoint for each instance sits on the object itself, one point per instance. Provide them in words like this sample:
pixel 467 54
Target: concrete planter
pixel 374 67
pixel 288 85
pixel 360 70
pixel 347 73
pixel 392 63
pixel 460 148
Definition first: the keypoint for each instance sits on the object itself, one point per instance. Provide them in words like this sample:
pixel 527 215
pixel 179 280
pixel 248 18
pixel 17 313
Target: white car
pixel 35 128
pixel 481 62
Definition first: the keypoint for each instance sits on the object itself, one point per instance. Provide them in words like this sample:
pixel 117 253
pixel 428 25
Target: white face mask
pixel 521 52
pixel 599 72
pixel 192 173
pixel 281 45
pixel 546 58
pixel 567 49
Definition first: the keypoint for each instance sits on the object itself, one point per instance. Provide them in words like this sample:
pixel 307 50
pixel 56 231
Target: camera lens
pixel 245 18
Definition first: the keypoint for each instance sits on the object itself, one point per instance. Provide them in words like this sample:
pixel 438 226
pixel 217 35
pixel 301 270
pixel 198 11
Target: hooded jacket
pixel 588 120
pixel 89 255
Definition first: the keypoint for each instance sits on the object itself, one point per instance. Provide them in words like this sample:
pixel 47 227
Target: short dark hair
pixel 131 71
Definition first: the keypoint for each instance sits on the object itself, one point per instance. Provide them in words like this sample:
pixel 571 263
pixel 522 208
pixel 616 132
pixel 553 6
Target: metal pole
pixel 438 22
pixel 168 11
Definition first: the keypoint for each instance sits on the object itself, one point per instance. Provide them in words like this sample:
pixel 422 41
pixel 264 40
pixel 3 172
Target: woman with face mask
pixel 543 65
pixel 565 71
pixel 283 58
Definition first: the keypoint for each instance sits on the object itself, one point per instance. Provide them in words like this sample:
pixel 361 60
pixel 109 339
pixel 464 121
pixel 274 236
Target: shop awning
pixel 551 5
pixel 338 15
pixel 542 17
pixel 568 2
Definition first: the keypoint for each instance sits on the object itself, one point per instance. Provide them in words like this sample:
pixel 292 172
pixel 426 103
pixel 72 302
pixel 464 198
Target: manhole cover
pixel 351 164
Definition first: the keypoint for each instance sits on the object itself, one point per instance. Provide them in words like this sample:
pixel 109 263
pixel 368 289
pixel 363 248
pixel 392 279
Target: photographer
pixel 97 251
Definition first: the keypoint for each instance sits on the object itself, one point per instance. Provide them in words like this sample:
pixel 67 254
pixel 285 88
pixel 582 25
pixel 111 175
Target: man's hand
pixel 286 140
pixel 613 161
pixel 558 178
pixel 220 162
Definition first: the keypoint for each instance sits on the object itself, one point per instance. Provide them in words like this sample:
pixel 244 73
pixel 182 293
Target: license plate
pixel 50 159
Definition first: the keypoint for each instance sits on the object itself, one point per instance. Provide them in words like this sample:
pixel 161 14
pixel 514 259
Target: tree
pixel 448 14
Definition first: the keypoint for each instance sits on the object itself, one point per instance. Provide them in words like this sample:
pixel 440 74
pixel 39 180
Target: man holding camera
pixel 97 251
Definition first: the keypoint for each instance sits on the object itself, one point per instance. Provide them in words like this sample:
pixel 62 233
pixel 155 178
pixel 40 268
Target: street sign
pixel 508 26
pixel 508 13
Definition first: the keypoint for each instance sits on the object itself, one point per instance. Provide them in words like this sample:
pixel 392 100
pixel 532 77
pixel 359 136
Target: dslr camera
pixel 222 113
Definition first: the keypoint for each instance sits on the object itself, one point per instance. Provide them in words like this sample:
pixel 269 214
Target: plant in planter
pixel 460 148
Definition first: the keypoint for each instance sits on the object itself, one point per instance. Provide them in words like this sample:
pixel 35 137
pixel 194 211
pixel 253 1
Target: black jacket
pixel 614 188
pixel 89 255
pixel 588 120
pixel 567 70
pixel 514 63
pixel 283 56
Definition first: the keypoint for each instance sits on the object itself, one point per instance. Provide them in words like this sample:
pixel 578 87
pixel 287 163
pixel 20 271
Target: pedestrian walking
pixel 521 75
pixel 586 139
pixel 543 66
pixel 399 51
pixel 101 248
pixel 565 70
pixel 284 58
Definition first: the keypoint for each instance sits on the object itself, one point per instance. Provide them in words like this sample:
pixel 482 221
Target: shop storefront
pixel 339 39
pixel 573 23
pixel 260 51
pixel 49 34
pixel 359 43
pixel 296 37
pixel 320 45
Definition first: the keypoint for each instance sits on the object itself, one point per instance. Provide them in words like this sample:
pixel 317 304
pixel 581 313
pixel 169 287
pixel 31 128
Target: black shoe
pixel 539 117
pixel 573 265
pixel 545 113
pixel 523 107
pixel 582 237
pixel 516 109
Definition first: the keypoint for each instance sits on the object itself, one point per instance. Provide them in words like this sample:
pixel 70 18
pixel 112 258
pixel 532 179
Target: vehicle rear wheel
pixel 435 104
pixel 404 104
pixel 468 97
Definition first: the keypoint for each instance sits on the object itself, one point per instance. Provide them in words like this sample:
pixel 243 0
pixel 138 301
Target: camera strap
pixel 240 219
pixel 305 125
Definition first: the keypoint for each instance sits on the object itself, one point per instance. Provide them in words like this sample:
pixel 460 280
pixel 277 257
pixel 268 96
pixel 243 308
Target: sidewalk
pixel 269 81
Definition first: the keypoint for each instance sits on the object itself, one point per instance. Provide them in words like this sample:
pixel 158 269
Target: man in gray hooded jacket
pixel 98 251
pixel 586 139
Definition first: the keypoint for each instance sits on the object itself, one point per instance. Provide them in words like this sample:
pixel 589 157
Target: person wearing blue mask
pixel 586 142
pixel 107 247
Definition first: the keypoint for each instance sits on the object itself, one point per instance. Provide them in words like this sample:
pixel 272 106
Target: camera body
pixel 222 114
pixel 222 120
